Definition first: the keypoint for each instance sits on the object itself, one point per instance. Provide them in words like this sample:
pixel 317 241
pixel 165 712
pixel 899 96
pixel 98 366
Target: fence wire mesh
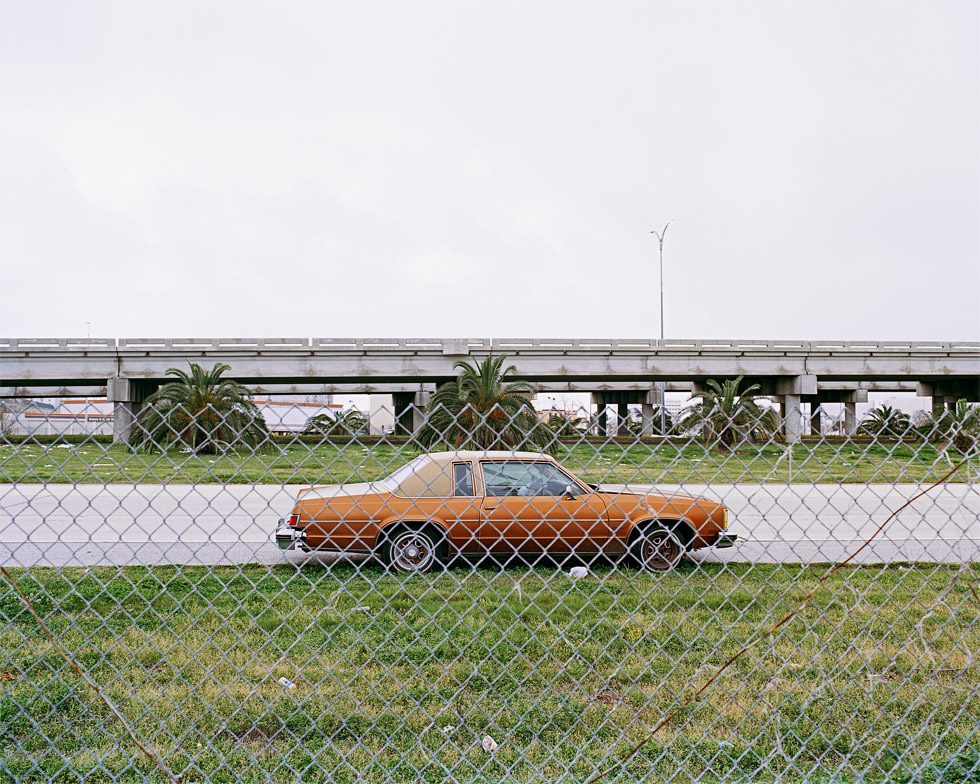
pixel 487 593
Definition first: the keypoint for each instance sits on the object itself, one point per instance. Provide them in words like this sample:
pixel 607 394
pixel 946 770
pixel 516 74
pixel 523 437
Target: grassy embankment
pixel 303 463
pixel 876 677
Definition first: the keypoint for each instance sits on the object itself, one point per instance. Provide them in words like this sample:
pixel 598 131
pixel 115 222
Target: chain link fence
pixel 502 595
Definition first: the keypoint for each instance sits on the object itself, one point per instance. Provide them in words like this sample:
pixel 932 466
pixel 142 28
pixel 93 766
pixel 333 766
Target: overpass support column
pixel 848 397
pixel 602 415
pixel 402 404
pixel 790 390
pixel 653 398
pixel 420 400
pixel 815 418
pixel 622 418
pixel 646 419
pixel 792 418
pixel 121 393
pixel 410 410
pixel 945 393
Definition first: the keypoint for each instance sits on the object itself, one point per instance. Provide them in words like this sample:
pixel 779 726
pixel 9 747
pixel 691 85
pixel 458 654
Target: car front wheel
pixel 411 550
pixel 657 549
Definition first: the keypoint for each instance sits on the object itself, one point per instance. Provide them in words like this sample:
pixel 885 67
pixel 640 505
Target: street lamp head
pixel 662 233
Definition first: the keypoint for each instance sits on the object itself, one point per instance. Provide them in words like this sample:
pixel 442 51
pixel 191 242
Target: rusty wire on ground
pixel 692 698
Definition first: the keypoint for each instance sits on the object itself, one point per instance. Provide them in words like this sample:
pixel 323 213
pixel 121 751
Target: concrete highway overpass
pixel 615 372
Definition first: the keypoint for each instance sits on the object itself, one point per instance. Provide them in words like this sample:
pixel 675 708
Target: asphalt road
pixel 88 525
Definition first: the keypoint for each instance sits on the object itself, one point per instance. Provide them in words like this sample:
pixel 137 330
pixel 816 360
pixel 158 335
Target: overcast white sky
pixel 490 169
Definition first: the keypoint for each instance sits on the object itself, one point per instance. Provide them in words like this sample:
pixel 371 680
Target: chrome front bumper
pixel 726 540
pixel 289 538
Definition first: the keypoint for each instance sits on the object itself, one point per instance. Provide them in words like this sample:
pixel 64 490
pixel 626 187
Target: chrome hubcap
pixel 412 551
pixel 661 551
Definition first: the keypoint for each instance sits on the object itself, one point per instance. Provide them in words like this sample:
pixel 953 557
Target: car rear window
pixel 462 479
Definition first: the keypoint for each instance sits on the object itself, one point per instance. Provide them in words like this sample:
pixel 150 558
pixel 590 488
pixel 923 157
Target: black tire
pixel 657 549
pixel 410 549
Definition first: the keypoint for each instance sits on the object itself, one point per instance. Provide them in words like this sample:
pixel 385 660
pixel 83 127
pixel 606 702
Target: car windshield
pixel 392 482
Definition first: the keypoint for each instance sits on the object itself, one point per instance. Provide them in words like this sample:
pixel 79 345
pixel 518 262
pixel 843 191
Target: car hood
pixel 672 501
pixel 638 493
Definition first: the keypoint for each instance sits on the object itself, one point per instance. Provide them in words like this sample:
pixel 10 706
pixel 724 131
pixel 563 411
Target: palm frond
pixel 200 410
pixel 485 408
pixel 726 415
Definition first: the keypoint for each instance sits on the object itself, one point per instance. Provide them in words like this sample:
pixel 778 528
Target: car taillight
pixel 293 520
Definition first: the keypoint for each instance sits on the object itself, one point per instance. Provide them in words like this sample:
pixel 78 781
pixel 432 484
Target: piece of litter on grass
pixel 447 729
pixel 578 571
pixel 489 744
pixel 362 608
pixel 287 684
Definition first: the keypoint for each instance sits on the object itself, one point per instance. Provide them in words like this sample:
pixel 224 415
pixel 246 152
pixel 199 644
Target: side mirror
pixel 569 491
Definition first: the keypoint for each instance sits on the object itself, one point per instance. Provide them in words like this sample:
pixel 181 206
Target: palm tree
pixel 347 423
pixel 958 428
pixel 484 409
pixel 729 416
pixel 201 410
pixel 886 421
pixel 565 426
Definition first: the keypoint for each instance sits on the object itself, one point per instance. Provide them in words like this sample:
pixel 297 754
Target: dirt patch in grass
pixel 255 735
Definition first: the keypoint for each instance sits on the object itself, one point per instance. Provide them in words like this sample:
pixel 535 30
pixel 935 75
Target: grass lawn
pixel 877 678
pixel 614 463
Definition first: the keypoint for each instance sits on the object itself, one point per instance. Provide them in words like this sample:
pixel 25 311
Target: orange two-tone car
pixel 444 504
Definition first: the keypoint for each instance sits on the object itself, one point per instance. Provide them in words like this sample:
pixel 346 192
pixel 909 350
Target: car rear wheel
pixel 657 549
pixel 411 550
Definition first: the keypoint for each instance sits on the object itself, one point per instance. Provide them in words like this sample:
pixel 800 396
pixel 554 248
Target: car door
pixel 526 509
pixel 461 512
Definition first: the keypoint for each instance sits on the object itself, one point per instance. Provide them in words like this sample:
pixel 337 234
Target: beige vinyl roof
pixel 455 457
pixel 435 476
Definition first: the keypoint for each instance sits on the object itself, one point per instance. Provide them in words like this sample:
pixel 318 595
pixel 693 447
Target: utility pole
pixel 663 386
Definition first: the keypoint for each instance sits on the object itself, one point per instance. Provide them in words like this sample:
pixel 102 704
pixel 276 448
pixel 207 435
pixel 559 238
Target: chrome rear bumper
pixel 288 538
pixel 726 540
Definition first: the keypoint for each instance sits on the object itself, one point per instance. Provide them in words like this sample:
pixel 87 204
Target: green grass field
pixel 875 680
pixel 302 463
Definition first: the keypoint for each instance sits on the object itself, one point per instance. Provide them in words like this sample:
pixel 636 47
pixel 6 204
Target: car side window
pixel 501 478
pixel 462 479
pixel 524 479
pixel 550 480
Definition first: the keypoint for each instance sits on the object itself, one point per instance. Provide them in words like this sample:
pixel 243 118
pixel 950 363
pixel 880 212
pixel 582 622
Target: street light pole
pixel 663 387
